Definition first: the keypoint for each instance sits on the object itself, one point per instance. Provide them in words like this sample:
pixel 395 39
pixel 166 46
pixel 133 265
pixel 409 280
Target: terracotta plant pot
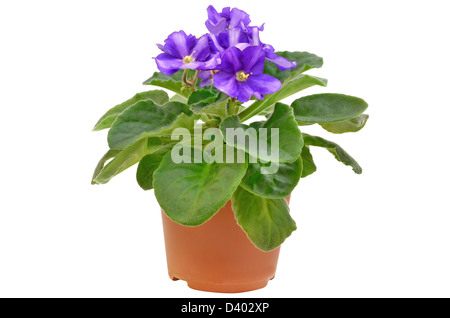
pixel 217 256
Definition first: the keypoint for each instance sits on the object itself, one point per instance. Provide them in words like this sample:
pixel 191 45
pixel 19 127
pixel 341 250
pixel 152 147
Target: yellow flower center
pixel 242 77
pixel 187 59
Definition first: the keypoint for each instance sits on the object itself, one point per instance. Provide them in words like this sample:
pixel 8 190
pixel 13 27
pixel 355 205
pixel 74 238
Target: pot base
pixel 225 287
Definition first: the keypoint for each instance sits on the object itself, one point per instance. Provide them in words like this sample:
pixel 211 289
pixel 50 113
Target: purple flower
pixel 240 34
pixel 232 37
pixel 183 51
pixel 206 77
pixel 282 63
pixel 227 19
pixel 242 74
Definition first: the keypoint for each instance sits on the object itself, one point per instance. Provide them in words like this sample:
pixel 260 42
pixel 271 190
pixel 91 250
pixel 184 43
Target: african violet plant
pixel 222 79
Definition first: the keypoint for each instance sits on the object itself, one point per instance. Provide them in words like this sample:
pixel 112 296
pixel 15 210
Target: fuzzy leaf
pixel 158 96
pixel 339 153
pixel 289 136
pixel 267 222
pixel 125 159
pixel 276 185
pixel 327 108
pixel 191 193
pixel 345 126
pixel 309 167
pixel 173 82
pixel 148 165
pixel 147 119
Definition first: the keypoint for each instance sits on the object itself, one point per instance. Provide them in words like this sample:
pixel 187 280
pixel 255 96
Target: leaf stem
pixel 250 111
pixel 233 106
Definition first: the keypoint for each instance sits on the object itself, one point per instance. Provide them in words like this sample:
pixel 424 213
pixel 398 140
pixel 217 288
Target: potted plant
pixel 223 181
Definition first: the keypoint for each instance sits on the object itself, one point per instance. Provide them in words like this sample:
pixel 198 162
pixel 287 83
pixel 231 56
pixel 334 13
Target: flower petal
pixel 226 83
pixel 213 63
pixel 179 44
pixel 231 61
pixel 268 48
pixel 238 18
pixel 163 48
pixel 205 74
pixel 253 59
pixel 254 34
pixel 213 15
pixel 242 46
pixel 168 64
pixel 206 82
pixel 282 63
pixel 226 13
pixel 216 23
pixel 200 66
pixel 245 92
pixel 258 95
pixel 263 83
pixel 201 51
pixel 215 42
pixel 218 28
pixel 232 37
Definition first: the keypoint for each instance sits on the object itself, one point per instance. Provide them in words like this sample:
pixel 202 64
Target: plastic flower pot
pixel 217 256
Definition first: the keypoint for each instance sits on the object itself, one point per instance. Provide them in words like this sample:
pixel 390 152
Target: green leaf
pixel 158 96
pixel 349 125
pixel 147 119
pixel 108 155
pixel 291 86
pixel 295 85
pixel 305 61
pixel 257 124
pixel 309 167
pixel 172 82
pixel 218 108
pixel 202 98
pixel 178 98
pixel 267 111
pixel 211 88
pixel 276 185
pixel 191 193
pixel 267 222
pixel 326 108
pixel 207 102
pixel 339 153
pixel 289 136
pixel 148 165
pixel 126 158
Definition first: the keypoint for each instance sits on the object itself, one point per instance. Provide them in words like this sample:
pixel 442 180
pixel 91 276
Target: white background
pixel 385 233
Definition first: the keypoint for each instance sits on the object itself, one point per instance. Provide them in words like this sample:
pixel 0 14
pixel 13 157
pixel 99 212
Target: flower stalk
pixel 190 82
